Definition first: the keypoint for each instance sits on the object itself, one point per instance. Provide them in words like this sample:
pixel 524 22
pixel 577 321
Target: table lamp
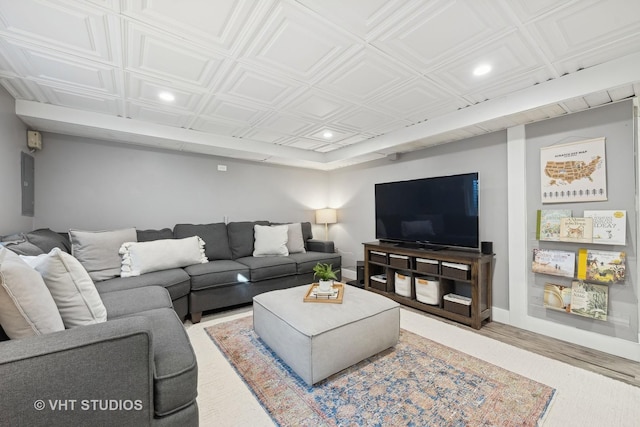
pixel 326 216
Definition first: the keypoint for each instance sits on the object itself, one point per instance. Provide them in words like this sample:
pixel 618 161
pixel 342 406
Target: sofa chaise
pixel 131 364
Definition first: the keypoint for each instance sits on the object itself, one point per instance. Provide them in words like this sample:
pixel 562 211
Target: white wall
pixel 13 140
pixel 352 192
pixel 92 184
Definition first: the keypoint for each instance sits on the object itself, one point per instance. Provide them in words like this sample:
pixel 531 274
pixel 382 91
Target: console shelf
pixel 469 274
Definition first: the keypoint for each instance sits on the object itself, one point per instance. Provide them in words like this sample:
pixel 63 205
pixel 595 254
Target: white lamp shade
pixel 326 216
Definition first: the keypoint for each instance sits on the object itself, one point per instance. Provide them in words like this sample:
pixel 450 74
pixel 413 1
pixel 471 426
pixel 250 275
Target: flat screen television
pixel 436 212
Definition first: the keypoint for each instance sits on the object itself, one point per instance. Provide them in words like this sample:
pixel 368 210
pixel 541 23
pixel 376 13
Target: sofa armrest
pixel 316 245
pixel 91 375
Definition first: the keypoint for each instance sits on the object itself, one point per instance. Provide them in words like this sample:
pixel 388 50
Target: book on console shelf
pixel 609 226
pixel 554 262
pixel 601 266
pixel 548 223
pixel 557 297
pixel 589 300
pixel 575 229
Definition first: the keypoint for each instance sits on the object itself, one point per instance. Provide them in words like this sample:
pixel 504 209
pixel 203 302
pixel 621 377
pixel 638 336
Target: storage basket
pixel 429 266
pixel 378 282
pixel 458 304
pixel 456 271
pixel 379 257
pixel 402 285
pixel 427 290
pixel 398 261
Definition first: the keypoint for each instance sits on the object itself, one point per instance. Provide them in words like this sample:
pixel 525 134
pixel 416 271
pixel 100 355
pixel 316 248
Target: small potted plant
pixel 326 275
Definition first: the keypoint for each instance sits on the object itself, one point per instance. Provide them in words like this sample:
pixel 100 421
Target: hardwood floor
pixel 615 367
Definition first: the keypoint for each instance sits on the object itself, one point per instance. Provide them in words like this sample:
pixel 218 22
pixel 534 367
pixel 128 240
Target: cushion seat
pixel 131 301
pixel 175 280
pixel 306 261
pixel 263 268
pixel 217 273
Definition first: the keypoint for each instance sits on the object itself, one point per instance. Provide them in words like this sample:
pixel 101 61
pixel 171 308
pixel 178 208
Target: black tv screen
pixel 438 211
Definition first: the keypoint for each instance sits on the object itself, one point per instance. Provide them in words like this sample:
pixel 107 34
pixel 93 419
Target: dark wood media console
pixel 465 273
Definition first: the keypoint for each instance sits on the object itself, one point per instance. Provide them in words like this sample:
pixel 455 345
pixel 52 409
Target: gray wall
pixel 352 192
pixel 92 184
pixel 615 123
pixel 13 140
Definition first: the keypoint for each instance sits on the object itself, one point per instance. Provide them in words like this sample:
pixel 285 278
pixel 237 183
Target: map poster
pixel 574 172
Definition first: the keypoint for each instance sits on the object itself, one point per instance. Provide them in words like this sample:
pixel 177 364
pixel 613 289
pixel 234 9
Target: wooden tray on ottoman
pixel 338 300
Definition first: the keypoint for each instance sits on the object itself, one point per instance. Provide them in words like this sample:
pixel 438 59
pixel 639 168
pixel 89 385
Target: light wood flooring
pixel 615 367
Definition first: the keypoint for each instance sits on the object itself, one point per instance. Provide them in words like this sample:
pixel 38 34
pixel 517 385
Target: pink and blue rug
pixel 417 383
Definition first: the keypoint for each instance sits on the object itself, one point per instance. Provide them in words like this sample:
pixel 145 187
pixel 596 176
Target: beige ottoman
pixel 317 340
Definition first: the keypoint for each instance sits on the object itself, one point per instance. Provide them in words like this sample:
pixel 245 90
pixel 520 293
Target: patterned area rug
pixel 417 383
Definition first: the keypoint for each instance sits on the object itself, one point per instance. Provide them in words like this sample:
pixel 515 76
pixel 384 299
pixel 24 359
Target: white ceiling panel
pixel 245 83
pixel 509 57
pixel 430 35
pixel 216 25
pixel 71 27
pixel 294 42
pixel 365 19
pixel 365 75
pixel 159 55
pixel 317 105
pixel 264 80
pixel 145 89
pixel 587 25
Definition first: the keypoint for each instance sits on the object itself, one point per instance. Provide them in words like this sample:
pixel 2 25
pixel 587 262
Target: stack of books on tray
pixel 330 294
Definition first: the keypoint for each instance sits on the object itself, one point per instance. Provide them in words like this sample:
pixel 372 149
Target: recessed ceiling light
pixel 327 134
pixel 166 96
pixel 481 70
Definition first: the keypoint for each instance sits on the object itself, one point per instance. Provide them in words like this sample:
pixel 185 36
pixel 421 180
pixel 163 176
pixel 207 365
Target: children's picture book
pixel 574 229
pixel 548 223
pixel 557 297
pixel 589 300
pixel 601 266
pixel 554 262
pixel 609 226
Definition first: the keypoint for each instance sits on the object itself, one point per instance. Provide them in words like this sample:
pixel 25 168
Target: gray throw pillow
pixel 295 241
pixel 99 251
pixel 22 247
pixel 151 235
pixel 241 237
pixel 214 236
pixel 47 239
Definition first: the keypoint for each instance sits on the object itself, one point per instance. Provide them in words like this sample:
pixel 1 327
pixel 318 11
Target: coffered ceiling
pixel 268 80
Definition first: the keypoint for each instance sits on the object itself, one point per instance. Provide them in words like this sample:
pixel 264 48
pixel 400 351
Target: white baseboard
pixel 349 274
pixel 500 315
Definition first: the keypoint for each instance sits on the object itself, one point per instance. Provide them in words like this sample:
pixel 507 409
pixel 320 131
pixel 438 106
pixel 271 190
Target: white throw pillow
pixel 270 240
pixel 98 251
pixel 26 305
pixel 71 287
pixel 144 257
pixel 295 241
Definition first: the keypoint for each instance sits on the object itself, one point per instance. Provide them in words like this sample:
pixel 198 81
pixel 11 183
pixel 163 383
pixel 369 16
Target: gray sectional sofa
pixel 232 276
pixel 138 367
